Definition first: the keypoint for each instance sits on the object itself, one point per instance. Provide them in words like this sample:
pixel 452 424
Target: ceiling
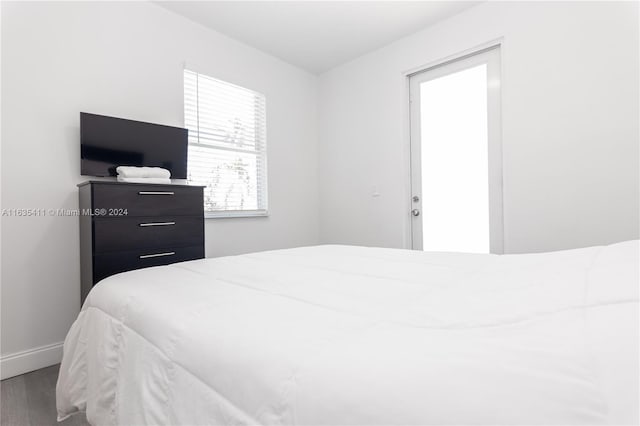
pixel 316 35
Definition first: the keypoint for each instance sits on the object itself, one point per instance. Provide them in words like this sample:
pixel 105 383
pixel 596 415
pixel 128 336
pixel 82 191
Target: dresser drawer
pixel 107 264
pixel 146 232
pixel 149 200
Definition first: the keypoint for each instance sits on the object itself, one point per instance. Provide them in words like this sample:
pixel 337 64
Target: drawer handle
pixel 147 256
pixel 157 224
pixel 155 192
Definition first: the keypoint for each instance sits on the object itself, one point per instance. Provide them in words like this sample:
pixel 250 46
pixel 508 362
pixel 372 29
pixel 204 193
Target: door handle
pixel 415 212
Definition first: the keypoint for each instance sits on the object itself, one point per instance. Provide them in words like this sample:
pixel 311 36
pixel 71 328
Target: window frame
pixel 262 186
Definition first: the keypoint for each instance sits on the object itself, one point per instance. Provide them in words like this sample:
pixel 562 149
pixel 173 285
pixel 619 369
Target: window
pixel 227 145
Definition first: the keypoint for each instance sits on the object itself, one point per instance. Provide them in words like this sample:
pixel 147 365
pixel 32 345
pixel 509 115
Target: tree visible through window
pixel 227 145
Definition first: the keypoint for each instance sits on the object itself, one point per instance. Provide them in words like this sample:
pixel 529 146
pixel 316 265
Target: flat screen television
pixel 109 142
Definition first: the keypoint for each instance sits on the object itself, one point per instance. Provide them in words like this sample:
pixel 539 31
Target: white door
pixel 456 156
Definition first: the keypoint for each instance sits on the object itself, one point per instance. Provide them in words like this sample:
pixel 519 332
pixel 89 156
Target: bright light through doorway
pixel 455 185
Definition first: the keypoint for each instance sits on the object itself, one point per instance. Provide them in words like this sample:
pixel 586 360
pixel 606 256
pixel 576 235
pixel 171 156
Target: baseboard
pixel 30 360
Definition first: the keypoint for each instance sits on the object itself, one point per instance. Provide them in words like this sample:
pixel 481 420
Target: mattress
pixel 339 335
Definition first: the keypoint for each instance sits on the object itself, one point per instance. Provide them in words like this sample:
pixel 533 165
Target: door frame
pixel 451 64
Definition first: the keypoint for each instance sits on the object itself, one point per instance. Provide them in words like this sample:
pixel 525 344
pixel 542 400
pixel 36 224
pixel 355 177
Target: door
pixel 456 155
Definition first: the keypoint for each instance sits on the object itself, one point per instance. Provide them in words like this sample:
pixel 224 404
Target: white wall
pixel 122 59
pixel 570 126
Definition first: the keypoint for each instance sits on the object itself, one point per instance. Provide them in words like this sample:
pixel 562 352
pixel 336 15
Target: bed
pixel 344 335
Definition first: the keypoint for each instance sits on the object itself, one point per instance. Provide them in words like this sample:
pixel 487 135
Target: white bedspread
pixel 351 335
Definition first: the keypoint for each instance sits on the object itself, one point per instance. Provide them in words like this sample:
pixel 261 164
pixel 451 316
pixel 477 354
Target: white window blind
pixel 227 145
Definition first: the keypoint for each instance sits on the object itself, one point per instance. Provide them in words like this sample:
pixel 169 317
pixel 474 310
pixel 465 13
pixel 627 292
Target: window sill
pixel 234 214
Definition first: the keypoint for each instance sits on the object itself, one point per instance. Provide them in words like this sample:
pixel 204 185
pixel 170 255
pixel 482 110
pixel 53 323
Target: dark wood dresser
pixel 126 226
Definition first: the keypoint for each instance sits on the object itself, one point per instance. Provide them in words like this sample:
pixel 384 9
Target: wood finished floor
pixel 30 400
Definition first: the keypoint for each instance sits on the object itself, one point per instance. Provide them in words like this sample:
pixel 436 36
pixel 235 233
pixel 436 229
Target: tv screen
pixel 109 142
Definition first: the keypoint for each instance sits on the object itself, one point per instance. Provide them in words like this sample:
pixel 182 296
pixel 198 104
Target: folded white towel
pixel 143 172
pixel 144 180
